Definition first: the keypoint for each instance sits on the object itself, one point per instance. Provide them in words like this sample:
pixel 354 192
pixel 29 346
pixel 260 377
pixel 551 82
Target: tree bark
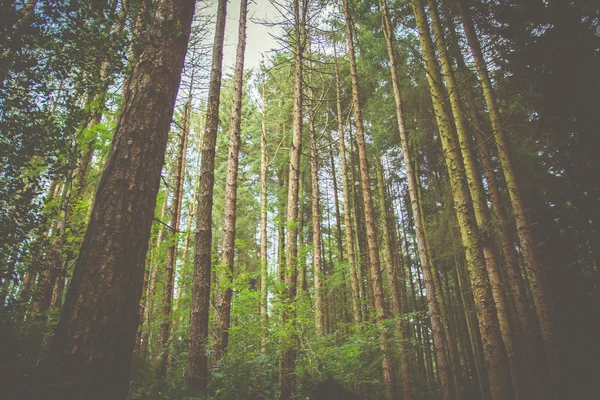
pixel 264 169
pixel 437 326
pixel 287 375
pixel 317 256
pixel 479 205
pixel 515 279
pixel 372 249
pixel 281 206
pixel 90 356
pixel 166 318
pixel 228 247
pixel 354 283
pixel 535 270
pixel 197 374
pixel 495 354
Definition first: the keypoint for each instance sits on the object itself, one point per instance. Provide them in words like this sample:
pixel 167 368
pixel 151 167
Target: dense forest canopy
pixel 399 201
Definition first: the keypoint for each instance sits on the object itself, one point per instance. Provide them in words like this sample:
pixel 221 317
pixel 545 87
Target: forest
pixel 398 200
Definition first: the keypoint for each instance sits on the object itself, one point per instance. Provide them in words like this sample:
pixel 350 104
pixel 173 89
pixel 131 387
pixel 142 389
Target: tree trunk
pixel 339 239
pixel 479 204
pixel 166 319
pixel 264 265
pixel 515 279
pixel 197 374
pixel 347 206
pixel 395 291
pixel 372 249
pixel 281 205
pixel 317 256
pixel 534 270
pixel 437 326
pixel 302 279
pixel 494 351
pixel 228 247
pixel 287 375
pixel 90 356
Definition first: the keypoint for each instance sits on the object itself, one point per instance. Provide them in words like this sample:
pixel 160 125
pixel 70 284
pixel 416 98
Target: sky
pixel 258 39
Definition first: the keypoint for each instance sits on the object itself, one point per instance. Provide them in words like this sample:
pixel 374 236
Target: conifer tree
pixel 90 355
pixel 495 353
pixel 228 246
pixel 197 374
pixel 372 247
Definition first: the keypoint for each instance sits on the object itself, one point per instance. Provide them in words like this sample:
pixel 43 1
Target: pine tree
pixel 538 288
pixel 228 246
pixel 495 353
pixel 372 248
pixel 197 374
pixel 354 283
pixel 287 374
pixel 90 355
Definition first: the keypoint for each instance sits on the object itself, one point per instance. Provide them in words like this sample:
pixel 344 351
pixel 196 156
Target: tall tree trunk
pixel 166 318
pixel 264 167
pixel 535 271
pixel 336 200
pixel 437 326
pixel 281 205
pixel 338 229
pixel 395 291
pixel 372 249
pixel 228 247
pixel 316 230
pixel 495 353
pixel 515 279
pixel 287 374
pixel 188 234
pixel 302 279
pixel 90 356
pixel 317 255
pixel 479 204
pixel 197 374
pixel 354 283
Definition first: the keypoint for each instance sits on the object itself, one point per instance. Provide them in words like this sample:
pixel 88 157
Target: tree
pixel 165 326
pixel 197 374
pixel 318 275
pixel 356 312
pixel 264 169
pixel 288 355
pixel 479 203
pixel 535 273
pixel 372 249
pixel 90 355
pixel 228 247
pixel 440 339
pixel 495 353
